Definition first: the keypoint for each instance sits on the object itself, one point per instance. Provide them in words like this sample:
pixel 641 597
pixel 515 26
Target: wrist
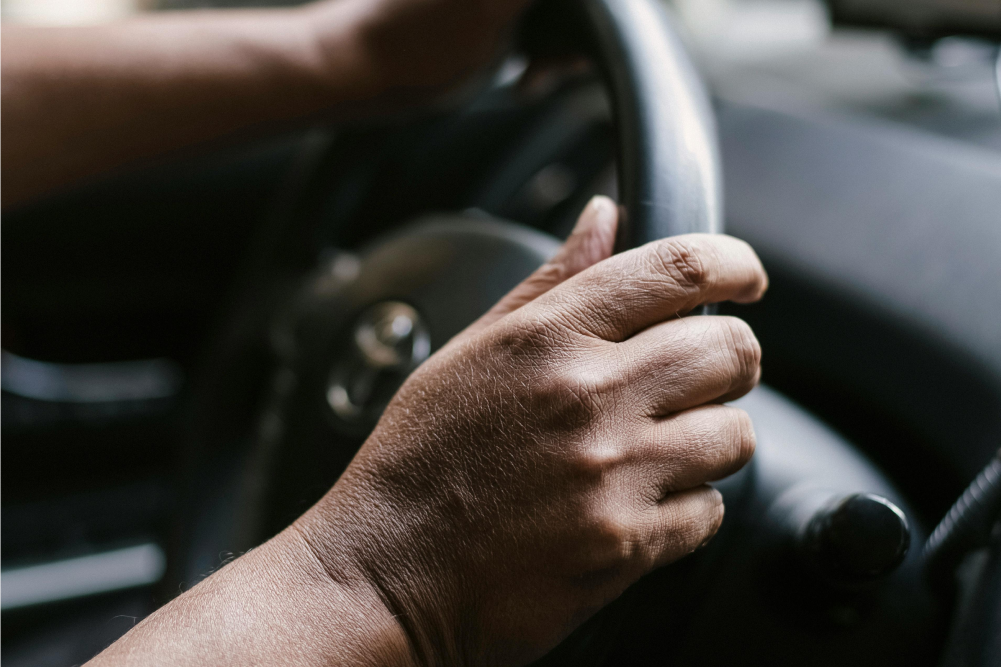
pixel 362 630
pixel 359 532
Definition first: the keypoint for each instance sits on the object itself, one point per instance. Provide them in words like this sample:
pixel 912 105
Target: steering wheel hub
pixel 389 341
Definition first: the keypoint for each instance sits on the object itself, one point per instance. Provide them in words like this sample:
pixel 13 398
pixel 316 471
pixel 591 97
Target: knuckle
pixel 721 441
pixel 683 261
pixel 733 443
pixel 611 535
pixel 714 519
pixel 551 273
pixel 595 463
pixel 529 340
pixel 697 526
pixel 523 335
pixel 744 437
pixel 716 451
pixel 743 348
pixel 571 397
pixel 609 530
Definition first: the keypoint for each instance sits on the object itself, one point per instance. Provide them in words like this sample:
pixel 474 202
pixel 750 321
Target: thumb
pixel 591 241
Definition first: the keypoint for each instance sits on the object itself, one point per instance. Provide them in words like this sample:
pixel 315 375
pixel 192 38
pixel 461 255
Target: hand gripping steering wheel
pixel 359 323
pixel 362 322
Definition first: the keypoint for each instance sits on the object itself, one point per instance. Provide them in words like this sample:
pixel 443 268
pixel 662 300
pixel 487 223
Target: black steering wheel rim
pixel 669 184
pixel 668 157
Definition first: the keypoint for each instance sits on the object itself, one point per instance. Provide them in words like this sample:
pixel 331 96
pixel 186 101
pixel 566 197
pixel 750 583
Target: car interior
pixel 188 345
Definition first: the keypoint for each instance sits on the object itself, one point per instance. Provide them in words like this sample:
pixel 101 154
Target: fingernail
pixel 603 209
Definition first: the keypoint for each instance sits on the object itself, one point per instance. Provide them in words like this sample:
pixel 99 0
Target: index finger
pixel 633 290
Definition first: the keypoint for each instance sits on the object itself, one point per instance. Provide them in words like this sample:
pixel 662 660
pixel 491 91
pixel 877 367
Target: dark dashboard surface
pixel 870 181
pixel 869 226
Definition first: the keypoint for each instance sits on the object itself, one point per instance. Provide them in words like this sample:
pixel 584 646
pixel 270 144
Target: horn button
pixel 389 340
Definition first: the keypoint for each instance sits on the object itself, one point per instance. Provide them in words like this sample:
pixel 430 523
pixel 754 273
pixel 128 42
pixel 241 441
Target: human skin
pixel 522 477
pixel 80 101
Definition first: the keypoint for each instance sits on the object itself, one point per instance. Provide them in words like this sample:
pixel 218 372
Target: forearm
pixel 276 605
pixel 82 100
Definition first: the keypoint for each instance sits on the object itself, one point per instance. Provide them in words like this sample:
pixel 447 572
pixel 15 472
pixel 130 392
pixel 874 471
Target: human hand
pixel 553 453
pixel 416 49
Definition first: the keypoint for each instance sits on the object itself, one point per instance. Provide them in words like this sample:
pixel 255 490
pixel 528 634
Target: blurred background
pixel 931 64
pixel 862 154
pixel 82 12
pixel 920 72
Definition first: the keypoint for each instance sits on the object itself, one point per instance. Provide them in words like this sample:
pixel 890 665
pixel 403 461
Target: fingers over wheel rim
pixel 631 291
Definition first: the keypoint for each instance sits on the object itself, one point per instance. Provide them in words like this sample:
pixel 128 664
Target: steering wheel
pixel 823 537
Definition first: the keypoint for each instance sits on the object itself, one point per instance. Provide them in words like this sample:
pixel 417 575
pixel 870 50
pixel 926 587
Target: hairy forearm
pixel 276 605
pixel 81 100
